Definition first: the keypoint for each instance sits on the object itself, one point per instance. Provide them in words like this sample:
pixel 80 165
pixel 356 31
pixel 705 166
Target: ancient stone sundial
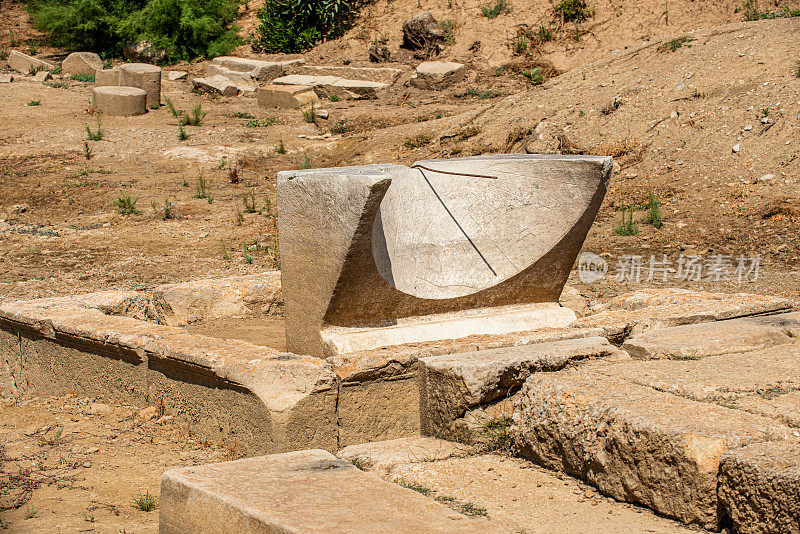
pixel 389 246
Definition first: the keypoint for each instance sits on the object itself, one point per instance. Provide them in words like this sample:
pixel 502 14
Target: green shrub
pixel 573 11
pixel 296 25
pixel 184 29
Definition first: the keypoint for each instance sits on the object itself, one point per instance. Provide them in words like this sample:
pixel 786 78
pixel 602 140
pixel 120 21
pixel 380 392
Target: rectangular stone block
pixel 106 77
pixel 717 337
pixel 332 85
pixel 263 71
pixel 634 443
pixel 286 96
pixel 23 62
pixel 306 491
pixel 759 487
pixel 377 410
pixel 385 75
pixel 451 384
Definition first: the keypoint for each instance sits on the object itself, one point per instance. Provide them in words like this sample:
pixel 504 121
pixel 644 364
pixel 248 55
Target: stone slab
pixel 6 78
pixel 759 487
pixel 451 384
pixel 634 443
pixel 286 96
pixel 646 309
pixel 81 63
pixel 326 86
pixel 382 456
pixel 437 75
pixel 243 80
pixel 774 403
pixel 717 337
pixel 43 76
pixel 23 62
pixel 175 75
pixel 263 71
pixel 489 321
pixel 307 491
pixel 385 75
pixel 375 410
pixel 216 84
pixel 106 77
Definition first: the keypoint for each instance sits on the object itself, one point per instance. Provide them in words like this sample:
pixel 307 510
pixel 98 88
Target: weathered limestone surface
pixel 6 78
pixel 437 75
pixel 81 63
pixel 143 76
pixel 106 77
pixel 378 409
pixel 23 62
pixel 216 84
pixel 647 309
pixel 42 76
pixel 774 403
pixel 243 80
pixel 326 86
pixel 451 384
pixel 382 456
pixel 385 75
pixel 253 398
pixel 718 337
pixel 370 262
pixel 306 491
pixel 175 75
pixel 725 379
pixel 759 487
pixel 120 101
pixel 263 71
pixel 634 443
pixel 286 96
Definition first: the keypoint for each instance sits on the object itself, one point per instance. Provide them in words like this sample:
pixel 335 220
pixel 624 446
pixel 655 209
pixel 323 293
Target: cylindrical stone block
pixel 143 76
pixel 121 101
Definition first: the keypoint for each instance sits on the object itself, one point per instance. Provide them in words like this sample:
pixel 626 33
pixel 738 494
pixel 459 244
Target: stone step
pixel 327 86
pixel 718 337
pixel 263 71
pixel 374 74
pixel 306 491
pixel 634 443
pixel 451 384
pixel 759 486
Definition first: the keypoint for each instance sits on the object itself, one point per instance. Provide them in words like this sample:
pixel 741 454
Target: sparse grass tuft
pixel 626 227
pixel 494 435
pixel 612 106
pixel 182 135
pixel 87 150
pixel 247 257
pixel 471 509
pixel 362 463
pixel 310 114
pixel 423 118
pixel 82 77
pixel 534 76
pixel 249 201
pixel 52 438
pixel 340 127
pixel 242 115
pixel 171 107
pixel 280 148
pixel 195 117
pixel 492 11
pixel 144 502
pixel 417 141
pixel 261 123
pixel 527 39
pixel 126 204
pixel 31 512
pixel 95 135
pixel 202 187
pixel 57 84
pixel 164 213
pixel 419 488
pixel 33 69
pixel 675 44
pixel 797 69
pixel 482 95
pixel 449 27
pixel 34 102
pixel 305 161
pixel 572 11
pixel 654 217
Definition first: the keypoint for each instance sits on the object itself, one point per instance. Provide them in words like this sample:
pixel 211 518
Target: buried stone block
pixel 143 76
pixel 23 62
pixel 81 63
pixel 327 86
pixel 286 96
pixel 437 75
pixel 120 101
pixel 216 84
pixel 635 443
pixel 306 491
pixel 363 268
pixel 451 384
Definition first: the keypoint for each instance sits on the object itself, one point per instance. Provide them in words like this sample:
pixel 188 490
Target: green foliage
pixel 261 123
pixel 58 84
pixel 417 141
pixel 573 11
pixel 280 149
pixel 654 216
pixel 492 11
pixel 182 135
pixel 242 115
pixel 33 69
pixel 797 69
pixel 482 95
pixel 449 27
pixel 144 502
pixel 340 127
pixel 95 135
pixel 34 102
pixel 203 185
pixel 335 98
pixel 305 161
pixel 249 201
pixel 193 118
pixel 296 25
pixel 87 150
pixel 171 107
pixel 31 512
pixel 534 76
pixel 674 44
pixel 126 204
pixel 82 77
pixel 164 213
pixel 247 257
pixel 626 226
pixel 751 11
pixel 310 114
pixel 183 29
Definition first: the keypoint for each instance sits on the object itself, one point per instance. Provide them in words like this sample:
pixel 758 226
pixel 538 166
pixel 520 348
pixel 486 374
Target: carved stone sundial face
pixel 440 235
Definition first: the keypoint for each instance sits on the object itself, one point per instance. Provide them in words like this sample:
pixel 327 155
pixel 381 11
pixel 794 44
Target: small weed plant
pixel 362 463
pixel 82 77
pixel 249 201
pixel 449 27
pixel 573 11
pixel 31 512
pixel 261 123
pixel 417 141
pixel 194 117
pixel 340 127
pixel 626 227
pixel 182 135
pixel 144 502
pixel 675 44
pixel 95 135
pixel 247 257
pixel 34 102
pixel 499 7
pixel 202 187
pixel 126 204
pixel 310 114
pixel 305 161
pixel 87 150
pixel 654 217
pixel 164 213
pixel 280 148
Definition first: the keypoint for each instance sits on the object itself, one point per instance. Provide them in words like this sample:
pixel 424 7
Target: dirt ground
pixel 711 128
